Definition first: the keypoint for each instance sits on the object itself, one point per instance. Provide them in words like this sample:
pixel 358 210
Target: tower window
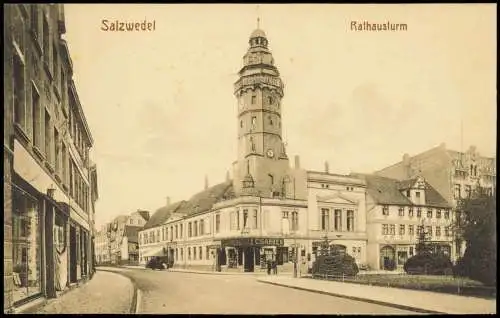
pixel 254 122
pixel 270 100
pixel 270 120
pixel 241 123
pixel 254 99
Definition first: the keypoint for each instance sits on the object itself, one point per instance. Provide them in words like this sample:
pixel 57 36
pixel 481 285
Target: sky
pixel 162 113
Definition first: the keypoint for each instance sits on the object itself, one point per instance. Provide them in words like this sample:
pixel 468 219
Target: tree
pixel 476 224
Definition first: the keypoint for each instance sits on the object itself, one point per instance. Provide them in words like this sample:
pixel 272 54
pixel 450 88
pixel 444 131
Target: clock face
pixel 270 153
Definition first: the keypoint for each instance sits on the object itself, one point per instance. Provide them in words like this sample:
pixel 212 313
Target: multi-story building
pixel 48 213
pixel 453 174
pixel 396 212
pixel 118 240
pixel 269 210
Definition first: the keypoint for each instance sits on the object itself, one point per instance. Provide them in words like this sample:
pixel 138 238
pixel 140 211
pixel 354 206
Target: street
pixel 166 292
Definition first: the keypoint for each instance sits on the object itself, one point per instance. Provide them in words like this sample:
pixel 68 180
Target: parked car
pixel 160 262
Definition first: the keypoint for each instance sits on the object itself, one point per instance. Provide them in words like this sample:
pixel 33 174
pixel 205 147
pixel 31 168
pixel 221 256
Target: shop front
pixel 251 253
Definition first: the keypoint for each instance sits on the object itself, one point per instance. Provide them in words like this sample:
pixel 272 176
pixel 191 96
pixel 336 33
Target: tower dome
pixel 258 33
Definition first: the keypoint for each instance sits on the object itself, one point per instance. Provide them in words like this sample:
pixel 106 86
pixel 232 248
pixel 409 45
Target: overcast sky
pixel 161 109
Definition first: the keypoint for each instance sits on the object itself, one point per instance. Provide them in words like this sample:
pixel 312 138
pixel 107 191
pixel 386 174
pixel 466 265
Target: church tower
pixel 262 162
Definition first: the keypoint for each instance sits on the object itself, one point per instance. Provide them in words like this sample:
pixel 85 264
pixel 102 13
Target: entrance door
pixel 72 255
pixel 249 259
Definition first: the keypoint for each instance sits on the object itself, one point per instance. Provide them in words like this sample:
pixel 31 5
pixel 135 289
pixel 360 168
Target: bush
pixel 335 265
pixel 428 264
pixel 477 265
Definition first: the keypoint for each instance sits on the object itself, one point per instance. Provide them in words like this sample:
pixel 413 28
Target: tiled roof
pixel 385 190
pixel 204 200
pixel 388 191
pixel 131 232
pixel 162 214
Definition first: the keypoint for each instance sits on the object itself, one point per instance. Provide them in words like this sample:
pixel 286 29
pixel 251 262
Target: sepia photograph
pixel 258 159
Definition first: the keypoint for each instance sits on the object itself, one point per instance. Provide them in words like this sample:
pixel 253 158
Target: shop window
pixel 26 245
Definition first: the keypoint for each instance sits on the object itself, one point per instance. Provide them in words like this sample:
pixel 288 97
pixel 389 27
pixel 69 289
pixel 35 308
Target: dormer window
pixel 408 193
pixel 385 210
pixel 401 211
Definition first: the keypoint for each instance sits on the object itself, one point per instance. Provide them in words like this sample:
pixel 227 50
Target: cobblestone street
pixel 105 293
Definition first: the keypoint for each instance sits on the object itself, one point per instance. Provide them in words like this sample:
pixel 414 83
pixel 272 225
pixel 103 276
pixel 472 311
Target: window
pixel 200 252
pixel 338 220
pixel 189 253
pixel 46 41
pixel 457 192
pixel 324 219
pixel 57 150
pixel 48 137
pixel 401 229
pixel 468 191
pixel 447 214
pixel 255 219
pixel 419 212
pixel 438 231
pixel 270 100
pixel 245 218
pixel 417 195
pixel 392 229
pixel 429 213
pixel 237 219
pixel 411 230
pixel 295 221
pixel 254 99
pixel 401 211
pixel 410 211
pixel 408 193
pixel 207 252
pixel 18 92
pixel 350 220
pixel 254 122
pixel 241 123
pixel 195 228
pixel 270 120
pixel 180 230
pixel 447 231
pixel 411 251
pixel 217 223
pixel 202 227
pixel 194 253
pixel 158 235
pixel 385 210
pixel 171 233
pixel 166 234
pixel 176 232
pixel 429 230
pixel 385 229
pixel 438 213
pixel 36 117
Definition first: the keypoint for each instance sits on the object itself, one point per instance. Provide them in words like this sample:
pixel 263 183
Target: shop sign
pixel 253 242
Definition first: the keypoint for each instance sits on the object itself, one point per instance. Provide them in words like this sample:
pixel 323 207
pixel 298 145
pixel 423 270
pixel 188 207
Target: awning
pixel 159 251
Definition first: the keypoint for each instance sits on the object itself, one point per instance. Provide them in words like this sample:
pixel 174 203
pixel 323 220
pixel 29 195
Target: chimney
pixel 297 162
pixel 327 168
pixel 206 182
pixel 227 176
pixel 168 201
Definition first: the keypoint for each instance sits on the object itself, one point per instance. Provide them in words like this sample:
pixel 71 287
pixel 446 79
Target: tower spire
pixel 258 17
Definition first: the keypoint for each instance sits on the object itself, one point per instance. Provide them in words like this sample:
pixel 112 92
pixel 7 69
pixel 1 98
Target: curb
pixel 366 300
pixel 134 306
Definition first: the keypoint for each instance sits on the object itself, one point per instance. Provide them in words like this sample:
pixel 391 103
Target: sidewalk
pixel 105 293
pixel 422 301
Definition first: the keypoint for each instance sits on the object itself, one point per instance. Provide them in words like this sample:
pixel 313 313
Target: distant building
pixel 49 192
pixel 452 173
pixel 117 241
pixel 396 212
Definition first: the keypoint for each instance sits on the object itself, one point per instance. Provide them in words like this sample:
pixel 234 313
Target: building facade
pixel 396 213
pixel 452 173
pixel 117 241
pixel 48 211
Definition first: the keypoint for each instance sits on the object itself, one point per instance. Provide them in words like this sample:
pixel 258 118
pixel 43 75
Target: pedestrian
pixel 275 267
pixel 269 265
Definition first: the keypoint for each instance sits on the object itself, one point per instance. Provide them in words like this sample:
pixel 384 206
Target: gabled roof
pixel 162 214
pixel 204 200
pixel 388 191
pixel 131 232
